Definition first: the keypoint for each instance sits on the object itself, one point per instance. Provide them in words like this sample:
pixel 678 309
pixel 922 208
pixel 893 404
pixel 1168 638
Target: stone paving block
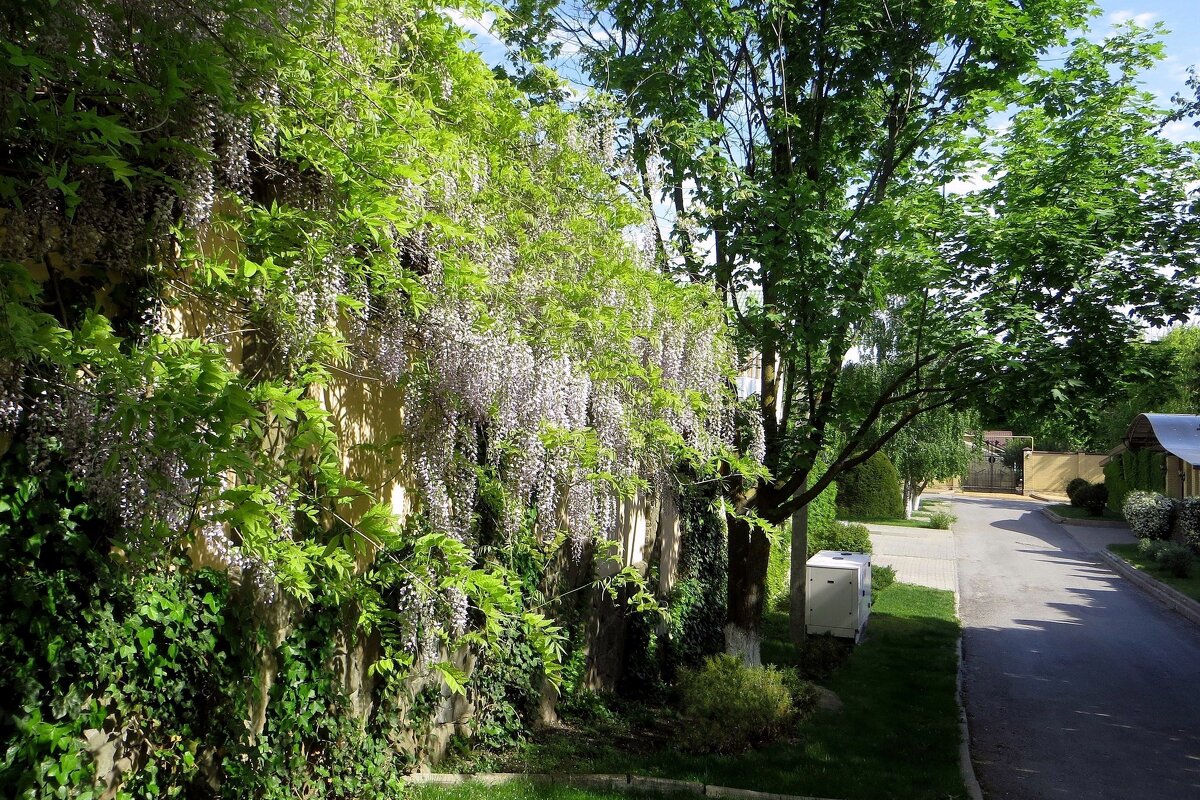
pixel 916 548
pixel 921 556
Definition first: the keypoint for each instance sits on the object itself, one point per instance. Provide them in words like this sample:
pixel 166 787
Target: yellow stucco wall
pixel 1181 479
pixel 1050 472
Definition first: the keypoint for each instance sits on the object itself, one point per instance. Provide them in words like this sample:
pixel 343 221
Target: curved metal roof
pixel 1177 434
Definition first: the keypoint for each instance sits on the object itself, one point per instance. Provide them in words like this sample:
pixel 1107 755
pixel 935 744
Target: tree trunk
pixel 799 576
pixel 911 493
pixel 749 551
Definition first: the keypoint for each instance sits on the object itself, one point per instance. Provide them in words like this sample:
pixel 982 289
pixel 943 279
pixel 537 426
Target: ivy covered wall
pixel 303 291
pixel 1134 469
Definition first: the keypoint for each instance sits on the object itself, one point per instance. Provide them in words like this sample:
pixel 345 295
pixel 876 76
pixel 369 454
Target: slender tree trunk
pixel 749 551
pixel 799 576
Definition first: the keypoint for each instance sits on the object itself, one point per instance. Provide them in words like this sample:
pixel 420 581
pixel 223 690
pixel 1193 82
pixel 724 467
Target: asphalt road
pixel 1076 684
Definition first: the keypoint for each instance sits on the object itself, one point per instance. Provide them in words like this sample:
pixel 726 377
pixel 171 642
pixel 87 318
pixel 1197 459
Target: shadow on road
pixel 1076 684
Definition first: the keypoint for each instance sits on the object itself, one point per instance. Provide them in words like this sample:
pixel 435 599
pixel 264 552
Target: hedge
pixel 1133 470
pixel 850 536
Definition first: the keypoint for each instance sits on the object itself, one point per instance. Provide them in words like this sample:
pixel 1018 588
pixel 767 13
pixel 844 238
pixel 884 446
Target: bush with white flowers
pixel 1188 519
pixel 1148 514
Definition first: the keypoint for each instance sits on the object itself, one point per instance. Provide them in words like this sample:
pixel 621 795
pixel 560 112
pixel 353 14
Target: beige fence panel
pixel 1050 472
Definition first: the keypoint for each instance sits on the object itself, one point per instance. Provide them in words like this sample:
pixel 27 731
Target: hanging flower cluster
pixel 11 380
pixel 482 379
pixel 372 202
pixel 137 485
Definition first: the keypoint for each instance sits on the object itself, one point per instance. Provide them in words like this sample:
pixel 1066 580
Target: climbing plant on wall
pixel 212 210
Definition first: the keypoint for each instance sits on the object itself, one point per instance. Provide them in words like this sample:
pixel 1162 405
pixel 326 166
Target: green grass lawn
pixel 1075 512
pixel 917 521
pixel 1189 586
pixel 897 735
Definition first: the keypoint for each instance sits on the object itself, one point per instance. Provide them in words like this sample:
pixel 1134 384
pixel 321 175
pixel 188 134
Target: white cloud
pixel 481 29
pixel 1180 131
pixel 1144 19
pixel 1176 68
pixel 968 183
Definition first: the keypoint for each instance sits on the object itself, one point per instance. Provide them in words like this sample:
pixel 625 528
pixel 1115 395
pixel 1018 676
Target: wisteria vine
pixel 355 199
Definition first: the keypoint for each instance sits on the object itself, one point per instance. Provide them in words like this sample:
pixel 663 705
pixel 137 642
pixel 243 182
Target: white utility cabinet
pixel 839 593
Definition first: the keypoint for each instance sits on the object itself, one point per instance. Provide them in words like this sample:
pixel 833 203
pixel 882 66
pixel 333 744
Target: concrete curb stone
pixel 1088 523
pixel 1172 598
pixel 965 765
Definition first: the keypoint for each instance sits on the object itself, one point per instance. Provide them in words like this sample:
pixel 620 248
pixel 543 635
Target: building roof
pixel 1177 434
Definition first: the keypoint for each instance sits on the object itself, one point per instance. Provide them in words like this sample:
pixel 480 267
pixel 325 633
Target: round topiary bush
pixel 1073 487
pixel 870 491
pixel 1148 514
pixel 730 706
pixel 1093 497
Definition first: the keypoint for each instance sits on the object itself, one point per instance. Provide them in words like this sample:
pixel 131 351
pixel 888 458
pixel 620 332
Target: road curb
pixel 1185 606
pixel 616 782
pixel 966 766
pixel 1086 523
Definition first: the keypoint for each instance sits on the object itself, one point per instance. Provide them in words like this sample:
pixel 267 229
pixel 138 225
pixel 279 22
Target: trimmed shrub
pixel 1148 514
pixel 1133 469
pixel 1188 519
pixel 942 520
pixel 1073 487
pixel 882 576
pixel 850 536
pixel 1173 557
pixel 804 693
pixel 870 491
pixel 1093 497
pixel 820 656
pixel 1114 479
pixel 731 706
pixel 1176 558
pixel 822 511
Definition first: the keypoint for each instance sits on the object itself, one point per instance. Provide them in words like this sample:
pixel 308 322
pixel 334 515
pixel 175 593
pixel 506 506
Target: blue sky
pixel 1182 18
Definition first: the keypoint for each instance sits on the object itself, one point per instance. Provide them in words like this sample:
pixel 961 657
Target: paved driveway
pixel 919 555
pixel 1076 684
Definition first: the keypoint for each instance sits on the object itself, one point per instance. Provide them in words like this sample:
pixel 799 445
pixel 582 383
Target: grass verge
pixel 896 736
pixel 1075 512
pixel 1189 586
pixel 919 519
pixel 916 521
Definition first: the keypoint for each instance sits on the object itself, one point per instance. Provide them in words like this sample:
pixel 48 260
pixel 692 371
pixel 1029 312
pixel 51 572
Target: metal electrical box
pixel 839 593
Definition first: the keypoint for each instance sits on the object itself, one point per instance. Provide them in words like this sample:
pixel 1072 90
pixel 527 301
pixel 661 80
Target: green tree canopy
pixel 932 448
pixel 815 153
